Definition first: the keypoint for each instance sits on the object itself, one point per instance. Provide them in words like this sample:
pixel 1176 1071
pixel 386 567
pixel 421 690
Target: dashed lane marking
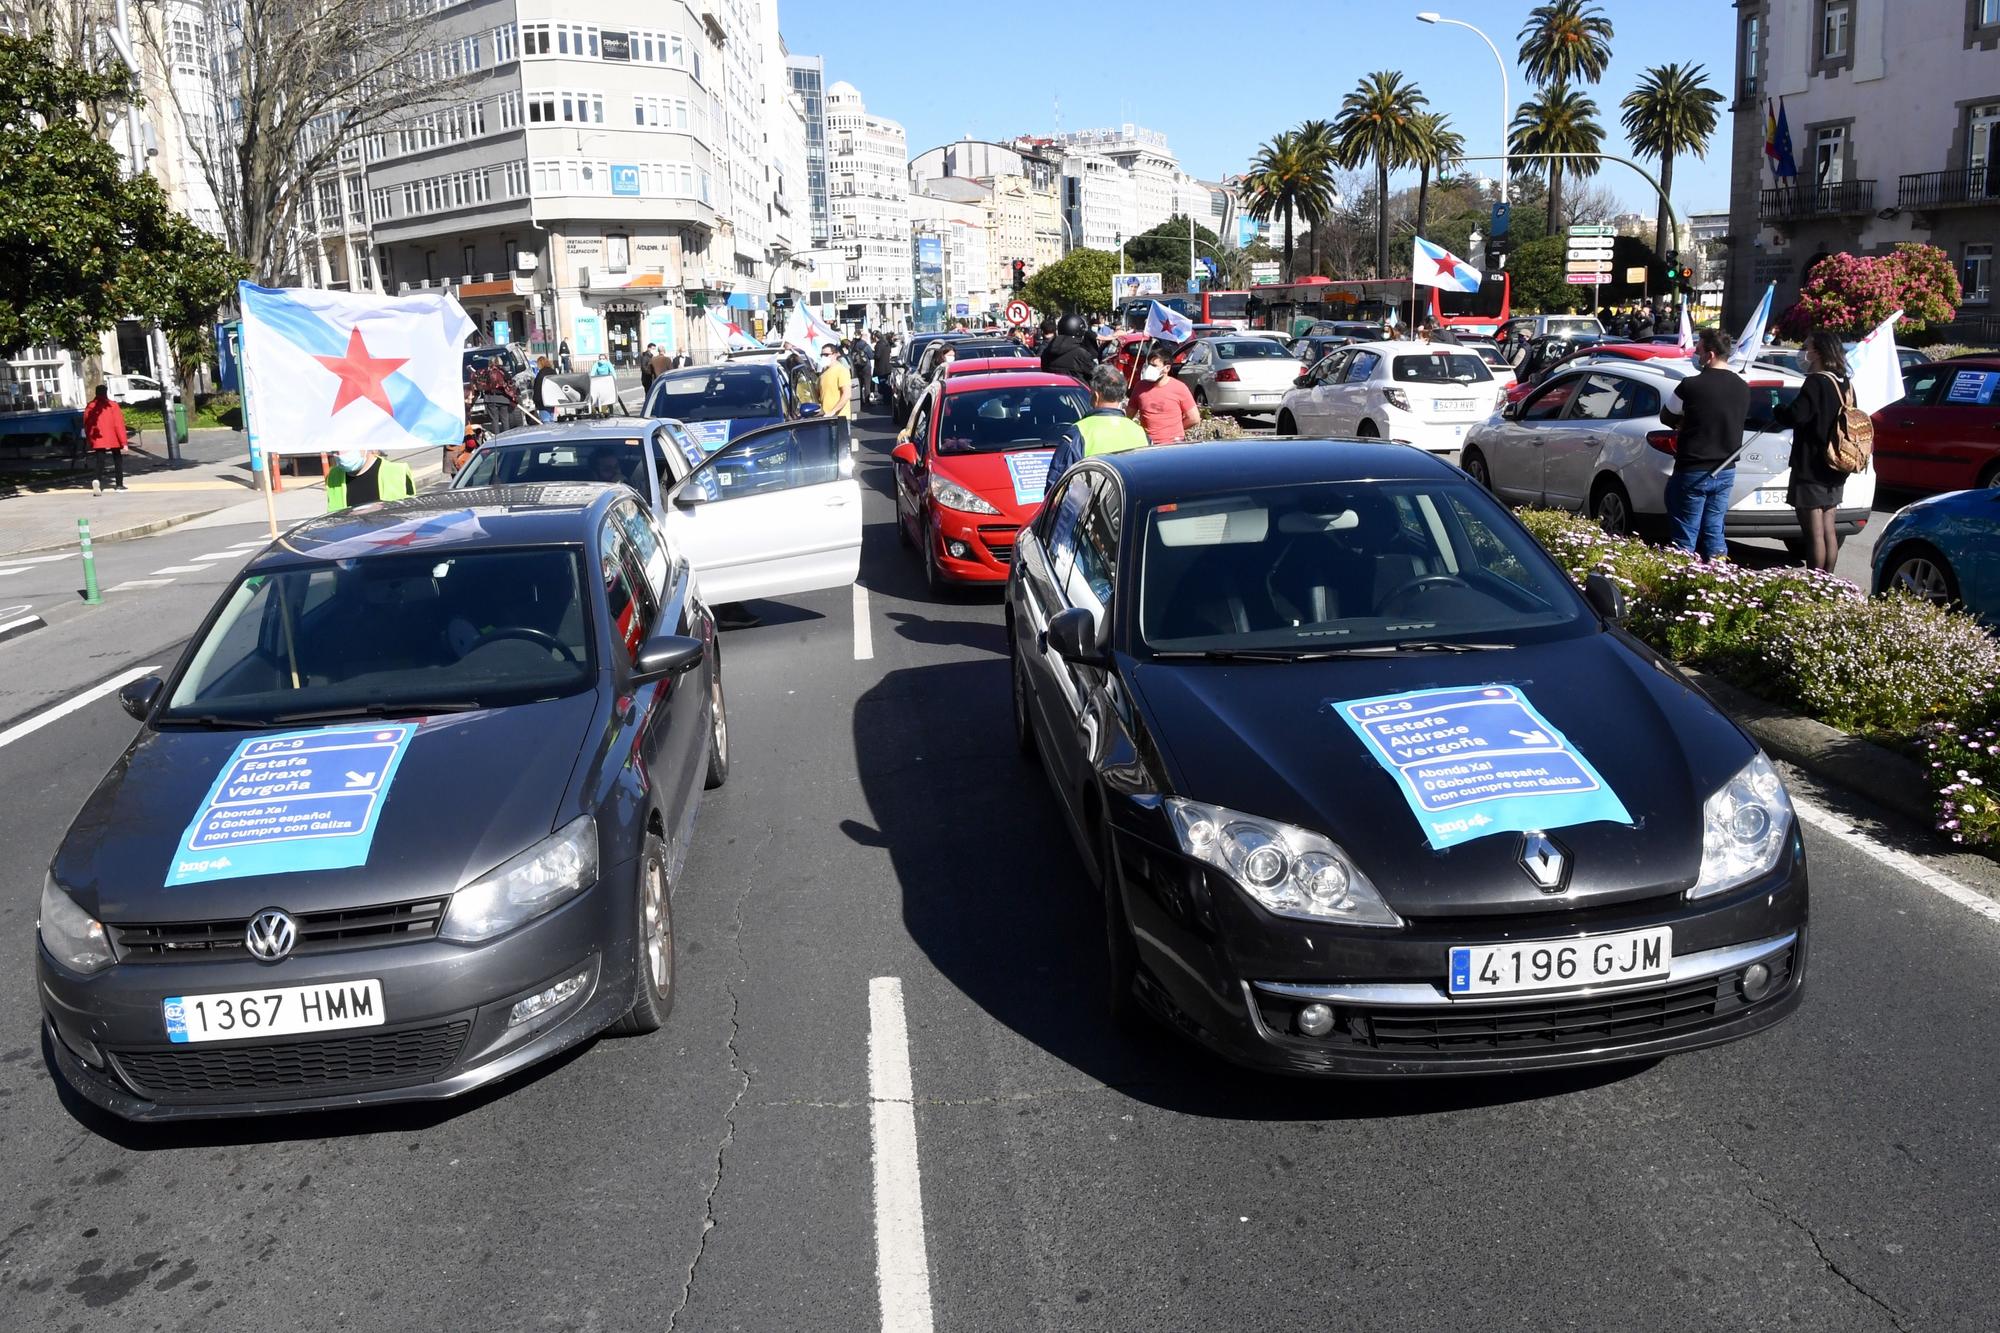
pixel 221 555
pixel 864 633
pixel 29 726
pixel 902 1262
pixel 1843 830
pixel 181 569
pixel 130 584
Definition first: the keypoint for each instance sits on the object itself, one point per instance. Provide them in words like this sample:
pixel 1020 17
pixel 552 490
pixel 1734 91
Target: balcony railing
pixel 1799 200
pixel 1948 189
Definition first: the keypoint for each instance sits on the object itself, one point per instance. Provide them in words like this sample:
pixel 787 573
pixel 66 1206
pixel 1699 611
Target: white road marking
pixel 252 544
pixel 70 705
pixel 17 569
pixel 19 623
pixel 130 584
pixel 1843 830
pixel 38 559
pixel 864 634
pixel 902 1263
pixel 181 569
pixel 220 555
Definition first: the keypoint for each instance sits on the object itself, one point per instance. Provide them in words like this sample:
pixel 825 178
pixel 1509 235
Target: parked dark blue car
pixel 1946 548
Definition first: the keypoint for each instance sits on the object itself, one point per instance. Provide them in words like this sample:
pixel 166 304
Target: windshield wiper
pixel 1438 646
pixel 210 720
pixel 1328 654
pixel 377 710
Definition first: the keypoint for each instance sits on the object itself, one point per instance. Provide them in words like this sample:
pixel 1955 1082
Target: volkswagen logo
pixel 1545 861
pixel 271 935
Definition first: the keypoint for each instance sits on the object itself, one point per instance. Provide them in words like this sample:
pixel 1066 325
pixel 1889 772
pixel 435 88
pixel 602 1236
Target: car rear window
pixel 716 393
pixel 1245 349
pixel 1574 324
pixel 562 461
pixel 1440 368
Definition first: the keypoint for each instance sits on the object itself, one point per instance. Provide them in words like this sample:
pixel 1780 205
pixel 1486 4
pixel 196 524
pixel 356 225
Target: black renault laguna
pixel 1370 788
pixel 404 819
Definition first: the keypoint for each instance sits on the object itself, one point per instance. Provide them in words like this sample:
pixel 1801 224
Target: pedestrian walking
pixel 547 391
pixel 104 431
pixel 1105 429
pixel 1707 411
pixel 1161 404
pixel 562 356
pixel 502 399
pixel 681 361
pixel 646 370
pixel 1816 416
pixel 363 477
pixel 603 387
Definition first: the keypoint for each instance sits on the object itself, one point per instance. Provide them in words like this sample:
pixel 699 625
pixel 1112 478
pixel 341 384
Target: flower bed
pixel 1895 669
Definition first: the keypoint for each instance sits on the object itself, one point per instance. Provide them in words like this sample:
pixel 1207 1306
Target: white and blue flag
pixel 326 371
pixel 1167 324
pixel 1874 370
pixel 1434 266
pixel 1752 340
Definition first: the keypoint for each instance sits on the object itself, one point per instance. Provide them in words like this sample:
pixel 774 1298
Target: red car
pixel 1943 434
pixel 991 365
pixel 972 465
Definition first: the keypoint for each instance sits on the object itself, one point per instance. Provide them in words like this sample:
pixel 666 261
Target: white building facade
pixel 868 196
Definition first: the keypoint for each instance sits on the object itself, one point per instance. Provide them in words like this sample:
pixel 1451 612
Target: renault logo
pixel 1544 860
pixel 271 935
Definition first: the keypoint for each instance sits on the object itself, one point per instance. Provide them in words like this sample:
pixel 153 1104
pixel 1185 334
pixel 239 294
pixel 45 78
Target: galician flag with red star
pixel 1435 266
pixel 326 371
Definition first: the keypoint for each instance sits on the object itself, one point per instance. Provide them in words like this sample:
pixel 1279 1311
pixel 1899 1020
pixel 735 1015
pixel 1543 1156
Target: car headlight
pixel 1396 398
pixel 1289 870
pixel 72 936
pixel 1744 827
pixel 954 496
pixel 539 880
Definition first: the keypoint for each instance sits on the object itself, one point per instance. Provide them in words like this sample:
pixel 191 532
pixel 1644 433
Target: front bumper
pixel 445 1032
pixel 972 548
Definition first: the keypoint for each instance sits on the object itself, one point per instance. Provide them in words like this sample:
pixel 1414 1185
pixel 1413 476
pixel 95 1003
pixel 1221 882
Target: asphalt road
pixel 1839 1172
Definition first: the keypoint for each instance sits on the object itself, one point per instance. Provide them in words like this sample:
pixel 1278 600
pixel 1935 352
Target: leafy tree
pixel 1289 178
pixel 1559 121
pixel 1378 123
pixel 1537 270
pixel 81 243
pixel 1079 282
pixel 1673 110
pixel 1439 146
pixel 1321 143
pixel 1566 41
pixel 1164 250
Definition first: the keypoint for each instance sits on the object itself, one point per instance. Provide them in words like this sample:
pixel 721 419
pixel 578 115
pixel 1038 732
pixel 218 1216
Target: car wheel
pixel 1990 479
pixel 1611 508
pixel 1922 571
pixel 1024 730
pixel 1475 467
pixel 1121 951
pixel 1287 426
pixel 1201 398
pixel 718 729
pixel 934 580
pixel 1366 430
pixel 653 945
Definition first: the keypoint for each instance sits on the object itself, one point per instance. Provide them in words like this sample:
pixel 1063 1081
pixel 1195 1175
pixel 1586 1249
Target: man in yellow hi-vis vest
pixel 1105 429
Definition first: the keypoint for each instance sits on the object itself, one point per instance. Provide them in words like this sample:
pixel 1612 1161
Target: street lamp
pixel 1506 102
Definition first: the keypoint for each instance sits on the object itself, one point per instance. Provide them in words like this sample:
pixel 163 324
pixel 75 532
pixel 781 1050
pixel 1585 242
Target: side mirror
pixel 1511 412
pixel 809 409
pixel 905 452
pixel 1073 634
pixel 137 696
pixel 1301 381
pixel 667 655
pixel 1605 597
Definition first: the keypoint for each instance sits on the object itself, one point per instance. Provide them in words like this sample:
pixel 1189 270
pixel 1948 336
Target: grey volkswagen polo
pixel 404 819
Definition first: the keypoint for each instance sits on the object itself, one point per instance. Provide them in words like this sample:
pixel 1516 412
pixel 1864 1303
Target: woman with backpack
pixel 1816 417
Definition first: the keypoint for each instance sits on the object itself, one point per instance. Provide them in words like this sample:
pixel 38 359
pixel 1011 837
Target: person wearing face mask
pixel 1161 404
pixel 836 383
pixel 362 477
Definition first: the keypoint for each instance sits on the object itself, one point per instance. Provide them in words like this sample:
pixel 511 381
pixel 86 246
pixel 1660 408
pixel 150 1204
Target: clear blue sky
pixel 1220 77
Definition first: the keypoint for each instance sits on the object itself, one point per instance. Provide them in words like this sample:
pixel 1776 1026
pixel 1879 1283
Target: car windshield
pixel 1573 324
pixel 1244 349
pixel 716 393
pixel 985 421
pixel 558 461
pixel 401 630
pixel 1440 368
pixel 1342 565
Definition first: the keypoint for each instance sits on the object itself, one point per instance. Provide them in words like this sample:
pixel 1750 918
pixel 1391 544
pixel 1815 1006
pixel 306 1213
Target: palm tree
pixel 1559 121
pixel 1439 147
pixel 1317 139
pixel 1378 123
pixel 1565 41
pixel 1673 110
pixel 1287 178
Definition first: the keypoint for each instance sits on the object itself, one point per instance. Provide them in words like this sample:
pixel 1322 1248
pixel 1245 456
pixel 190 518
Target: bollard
pixel 90 595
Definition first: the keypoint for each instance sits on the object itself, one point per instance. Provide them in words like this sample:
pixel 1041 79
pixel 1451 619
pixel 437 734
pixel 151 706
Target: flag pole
pixel 261 461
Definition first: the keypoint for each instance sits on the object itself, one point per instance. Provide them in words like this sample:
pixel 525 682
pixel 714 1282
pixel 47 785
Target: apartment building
pixel 1019 185
pixel 868 191
pixel 807 75
pixel 1894 112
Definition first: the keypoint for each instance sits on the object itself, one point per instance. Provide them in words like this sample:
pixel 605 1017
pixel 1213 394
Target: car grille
pixel 1530 1025
pixel 296 1068
pixel 319 932
pixel 999 542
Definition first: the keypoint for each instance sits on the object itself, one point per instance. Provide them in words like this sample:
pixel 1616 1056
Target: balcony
pixel 1797 201
pixel 1967 187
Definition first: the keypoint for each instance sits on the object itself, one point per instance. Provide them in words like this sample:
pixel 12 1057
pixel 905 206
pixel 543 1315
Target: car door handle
pixel 836 502
pixel 1912 423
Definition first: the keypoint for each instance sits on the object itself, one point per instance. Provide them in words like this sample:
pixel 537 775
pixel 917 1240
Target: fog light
pixel 1756 980
pixel 1315 1020
pixel 536 1005
pixel 958 550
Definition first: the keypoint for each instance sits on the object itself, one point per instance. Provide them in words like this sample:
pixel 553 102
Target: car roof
pixel 748 366
pixel 1969 361
pixel 608 428
pixel 1153 476
pixel 1007 379
pixel 990 365
pixel 528 514
pixel 1397 346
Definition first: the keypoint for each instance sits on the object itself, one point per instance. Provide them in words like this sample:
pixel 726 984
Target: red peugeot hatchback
pixel 1943 434
pixel 972 466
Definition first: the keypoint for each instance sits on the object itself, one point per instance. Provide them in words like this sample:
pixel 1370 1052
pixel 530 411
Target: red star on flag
pixel 361 375
pixel 1447 266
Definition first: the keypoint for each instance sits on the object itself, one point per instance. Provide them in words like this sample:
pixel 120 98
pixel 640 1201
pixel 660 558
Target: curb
pixel 1891 780
pixel 136 530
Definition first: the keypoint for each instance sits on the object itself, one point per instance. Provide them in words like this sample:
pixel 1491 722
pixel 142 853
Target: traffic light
pixel 1676 275
pixel 1020 274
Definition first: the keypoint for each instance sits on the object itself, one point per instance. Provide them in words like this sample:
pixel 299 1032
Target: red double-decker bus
pixel 1295 307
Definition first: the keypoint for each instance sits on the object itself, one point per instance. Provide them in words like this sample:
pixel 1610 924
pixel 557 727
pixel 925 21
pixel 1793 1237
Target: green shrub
pixel 1883 666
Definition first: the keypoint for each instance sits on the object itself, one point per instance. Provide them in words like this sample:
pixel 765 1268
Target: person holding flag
pixel 1816 487
pixel 1706 411
pixel 1161 404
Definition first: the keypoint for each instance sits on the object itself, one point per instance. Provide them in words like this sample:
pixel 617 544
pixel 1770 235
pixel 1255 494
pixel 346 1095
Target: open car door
pixel 771 513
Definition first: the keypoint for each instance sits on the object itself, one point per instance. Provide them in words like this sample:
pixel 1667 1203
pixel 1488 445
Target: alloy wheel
pixel 1614 513
pixel 657 927
pixel 1921 577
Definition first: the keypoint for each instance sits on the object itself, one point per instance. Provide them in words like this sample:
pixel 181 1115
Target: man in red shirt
pixel 1160 403
pixel 104 432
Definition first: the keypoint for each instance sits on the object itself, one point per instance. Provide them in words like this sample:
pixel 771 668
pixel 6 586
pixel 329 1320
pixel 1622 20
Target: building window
pixel 1982 140
pixel 535 39
pixel 1748 59
pixel 1989 13
pixel 506 44
pixel 1830 155
pixel 1977 275
pixel 1835 24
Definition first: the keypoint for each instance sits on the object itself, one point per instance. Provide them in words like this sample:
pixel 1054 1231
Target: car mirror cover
pixel 1605 597
pixel 905 452
pixel 1072 633
pixel 136 697
pixel 666 655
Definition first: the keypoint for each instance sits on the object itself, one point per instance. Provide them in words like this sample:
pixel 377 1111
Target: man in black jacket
pixel 1072 351
pixel 1707 411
